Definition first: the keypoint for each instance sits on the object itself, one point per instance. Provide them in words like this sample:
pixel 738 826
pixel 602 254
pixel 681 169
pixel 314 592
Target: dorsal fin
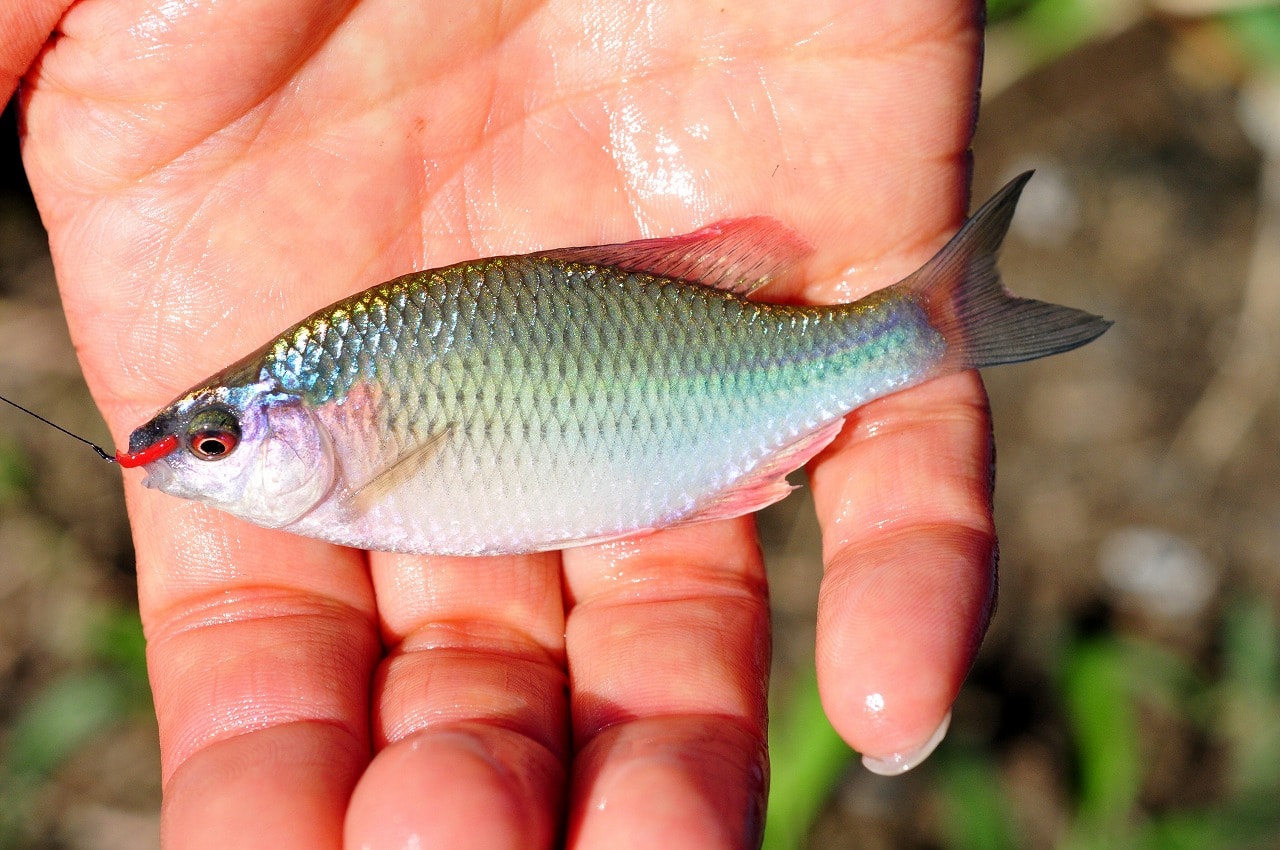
pixel 738 255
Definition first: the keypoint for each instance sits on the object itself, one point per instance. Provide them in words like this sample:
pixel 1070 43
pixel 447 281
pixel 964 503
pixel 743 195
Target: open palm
pixel 211 172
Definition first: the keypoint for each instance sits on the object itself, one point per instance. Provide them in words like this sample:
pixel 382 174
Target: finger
pixel 24 29
pixel 903 494
pixel 260 649
pixel 668 649
pixel 904 500
pixel 469 705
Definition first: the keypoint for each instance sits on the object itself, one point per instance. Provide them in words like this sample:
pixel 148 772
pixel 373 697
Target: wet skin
pixel 210 173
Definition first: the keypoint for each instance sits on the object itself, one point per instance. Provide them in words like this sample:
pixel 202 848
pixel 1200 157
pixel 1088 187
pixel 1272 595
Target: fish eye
pixel 213 433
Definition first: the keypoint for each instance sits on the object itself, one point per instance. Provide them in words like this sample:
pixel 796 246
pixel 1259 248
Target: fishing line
pixel 97 448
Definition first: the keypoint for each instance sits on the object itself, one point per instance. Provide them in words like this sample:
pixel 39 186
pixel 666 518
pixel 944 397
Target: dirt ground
pixel 1138 478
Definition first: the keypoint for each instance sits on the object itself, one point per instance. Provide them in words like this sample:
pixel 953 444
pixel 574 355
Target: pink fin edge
pixel 737 255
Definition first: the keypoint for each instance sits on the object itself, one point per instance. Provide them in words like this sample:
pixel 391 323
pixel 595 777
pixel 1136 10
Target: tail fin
pixel 982 323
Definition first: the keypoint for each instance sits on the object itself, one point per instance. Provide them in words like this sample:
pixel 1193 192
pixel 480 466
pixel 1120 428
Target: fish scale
pixel 523 403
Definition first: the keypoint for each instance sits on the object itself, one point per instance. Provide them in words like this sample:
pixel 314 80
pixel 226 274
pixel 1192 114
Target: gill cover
pixel 292 469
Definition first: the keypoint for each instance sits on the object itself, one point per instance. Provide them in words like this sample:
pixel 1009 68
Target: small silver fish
pixel 574 396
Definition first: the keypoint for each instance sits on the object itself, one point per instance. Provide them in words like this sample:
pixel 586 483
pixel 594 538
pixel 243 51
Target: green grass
pixel 807 760
pixel 67 714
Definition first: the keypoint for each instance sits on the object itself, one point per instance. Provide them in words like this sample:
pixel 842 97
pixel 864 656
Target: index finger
pixel 260 647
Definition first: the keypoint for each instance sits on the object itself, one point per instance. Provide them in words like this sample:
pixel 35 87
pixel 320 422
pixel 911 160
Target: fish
pixel 579 395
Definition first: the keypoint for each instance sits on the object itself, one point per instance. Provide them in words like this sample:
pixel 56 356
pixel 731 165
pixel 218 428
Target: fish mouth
pixel 149 443
pixel 158 476
pixel 148 435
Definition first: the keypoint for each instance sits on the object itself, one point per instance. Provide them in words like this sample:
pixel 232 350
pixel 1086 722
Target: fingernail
pixel 896 764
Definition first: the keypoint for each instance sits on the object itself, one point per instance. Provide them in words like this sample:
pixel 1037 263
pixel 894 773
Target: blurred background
pixel 1128 694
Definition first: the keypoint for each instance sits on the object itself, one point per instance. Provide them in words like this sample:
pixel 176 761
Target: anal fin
pixel 767 483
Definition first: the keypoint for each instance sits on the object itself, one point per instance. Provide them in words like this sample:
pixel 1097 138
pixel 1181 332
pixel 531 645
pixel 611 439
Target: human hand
pixel 211 172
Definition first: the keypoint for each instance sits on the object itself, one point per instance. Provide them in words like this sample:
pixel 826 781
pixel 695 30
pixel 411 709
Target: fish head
pixel 251 450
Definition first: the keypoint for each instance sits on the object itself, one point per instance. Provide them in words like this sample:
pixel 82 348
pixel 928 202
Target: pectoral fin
pixel 407 466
